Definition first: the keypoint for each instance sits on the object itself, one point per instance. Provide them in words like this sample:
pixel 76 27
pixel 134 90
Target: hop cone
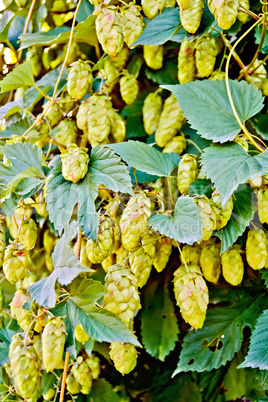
pixel 33 56
pixel 217 75
pixel 170 3
pixel 118 126
pixel 122 296
pixel 53 340
pixel 40 205
pixel 124 356
pixel 133 24
pixel 176 144
pixel 66 132
pixel 242 17
pixel 80 79
pixel 262 196
pixel 141 261
pixel 49 395
pixel 186 61
pixel 121 255
pixel 205 55
pixel 16 262
pixel 24 210
pixel 210 261
pixel 152 7
pixel 187 172
pixel 208 214
pixel 28 233
pixel 53 114
pixel 81 334
pixel 191 12
pixel 68 103
pixel 82 374
pixel 163 249
pixel 225 12
pixel 72 384
pixel 171 121
pixel 109 30
pixel 153 56
pixel 232 265
pixel 191 253
pixel 81 117
pixel 151 112
pixel 113 66
pixel 129 88
pixel 223 213
pixel 74 163
pixel 108 262
pixel 191 294
pixel 258 182
pixel 24 317
pixel 99 123
pixel 257 249
pixel 83 252
pixel 93 363
pixel 134 221
pixel 97 252
pixel 49 241
pixel 2 240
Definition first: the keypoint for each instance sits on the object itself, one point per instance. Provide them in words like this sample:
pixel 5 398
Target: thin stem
pixel 84 139
pixel 196 146
pixel 41 92
pixel 64 376
pixel 250 13
pixel 170 190
pixel 183 259
pixel 11 46
pixel 234 54
pixel 97 51
pixel 79 239
pixel 26 26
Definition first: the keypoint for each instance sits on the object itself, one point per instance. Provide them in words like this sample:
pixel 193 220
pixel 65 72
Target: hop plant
pixel 210 261
pixel 28 233
pixel 191 12
pixel 225 12
pixel 257 249
pixel 122 296
pixel 223 213
pixel 16 262
pixel 170 3
pixel 66 132
pixel 191 294
pixel 81 117
pixel 186 61
pixel 99 123
pixel 53 113
pixel 151 111
pixel 82 374
pixel 153 56
pixel 232 265
pixel 163 249
pixel 80 334
pixel 2 240
pixel 262 196
pixel 208 215
pixel 133 24
pixel 93 363
pixel 191 253
pixel 124 356
pixel 74 163
pixel 80 79
pixel 176 144
pixel 171 121
pixel 205 55
pixel 97 252
pixel 187 172
pixel 53 340
pixel 129 88
pixel 109 30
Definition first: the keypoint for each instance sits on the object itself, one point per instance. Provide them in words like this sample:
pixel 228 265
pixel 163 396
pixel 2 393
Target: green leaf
pixel 10 108
pixel 235 381
pixel 9 206
pixel 159 327
pixel 258 34
pixel 243 212
pixel 264 274
pixel 201 186
pixel 102 391
pixel 19 128
pixel 228 166
pixel 87 216
pixel 86 31
pixel 186 224
pixel 85 9
pixel 29 186
pixel 85 291
pixel 210 98
pixel 135 127
pixel 262 159
pixel 144 158
pixel 258 350
pixel 5 340
pixel 13 184
pixel 5 22
pixel 168 20
pixel 260 123
pixel 167 75
pixel 20 77
pixel 221 336
pixel 49 380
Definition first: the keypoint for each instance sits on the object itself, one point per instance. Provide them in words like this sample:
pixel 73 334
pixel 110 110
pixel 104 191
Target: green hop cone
pixel 53 340
pixel 152 7
pixel 74 163
pixel 191 253
pixel 2 239
pixel 225 12
pixel 257 249
pixel 243 17
pixel 93 363
pixel 81 117
pixel 24 210
pixel 151 111
pixel 66 132
pixel 122 296
pixel 208 214
pixel 217 75
pixel 124 356
pixel 53 114
pixel 99 122
pixel 120 255
pixel 68 103
pixel 191 12
pixel 153 56
pixel 16 262
pixel 223 213
pixel 232 265
pixel 118 126
pixel 113 66
pixel 170 3
pixel 49 395
pixel 191 294
pixel 133 24
pixel 163 249
pixel 80 334
pixel 258 182
pixel 21 3
pixel 210 261
pixel 108 262
pixel 262 196
pixel 134 221
pixel 109 30
pixel 40 205
pixel 72 384
pixel 82 374
pixel 49 241
pixel 129 88
pixel 97 252
pixel 80 79
pixel 24 317
pixel 186 61
pixel 28 233
pixel 171 121
pixel 205 55
pixel 34 57
pixel 187 172
pixel 176 144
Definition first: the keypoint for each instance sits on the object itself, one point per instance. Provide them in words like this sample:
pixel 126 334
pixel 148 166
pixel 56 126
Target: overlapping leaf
pixel 20 77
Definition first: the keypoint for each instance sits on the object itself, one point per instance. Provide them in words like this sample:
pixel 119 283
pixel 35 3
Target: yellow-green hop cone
pixel 53 341
pixel 97 252
pixel 170 3
pixel 129 88
pixel 120 255
pixel 257 182
pixel 49 241
pixel 243 17
pixel 40 205
pixel 93 363
pixel 81 117
pixel 151 112
pixel 191 253
pixel 49 395
pixel 141 262
pixel 217 75
pixel 258 76
pixel 210 261
pixel 191 12
pixel 232 265
pixel 163 249
pixel 74 163
pixel 153 56
pixel 205 55
pixel 223 213
pixel 134 221
pixel 24 317
pixel 191 294
pixel 186 61
pixel 171 121
pixel 133 24
pixel 257 249
pixel 82 374
pixel 176 144
pixel 66 132
pixel 225 12
pixel 122 296
pixel 109 30
pixel 113 66
pixel 24 210
pixel 80 334
pixel 28 233
pixel 99 122
pixel 108 262
pixel 80 79
pixel 72 384
pixel 53 114
pixel 118 126
pixel 187 172
pixel 124 356
pixel 262 196
pixel 208 214
pixel 16 262
pixel 152 7
pixel 2 240
pixel 34 57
